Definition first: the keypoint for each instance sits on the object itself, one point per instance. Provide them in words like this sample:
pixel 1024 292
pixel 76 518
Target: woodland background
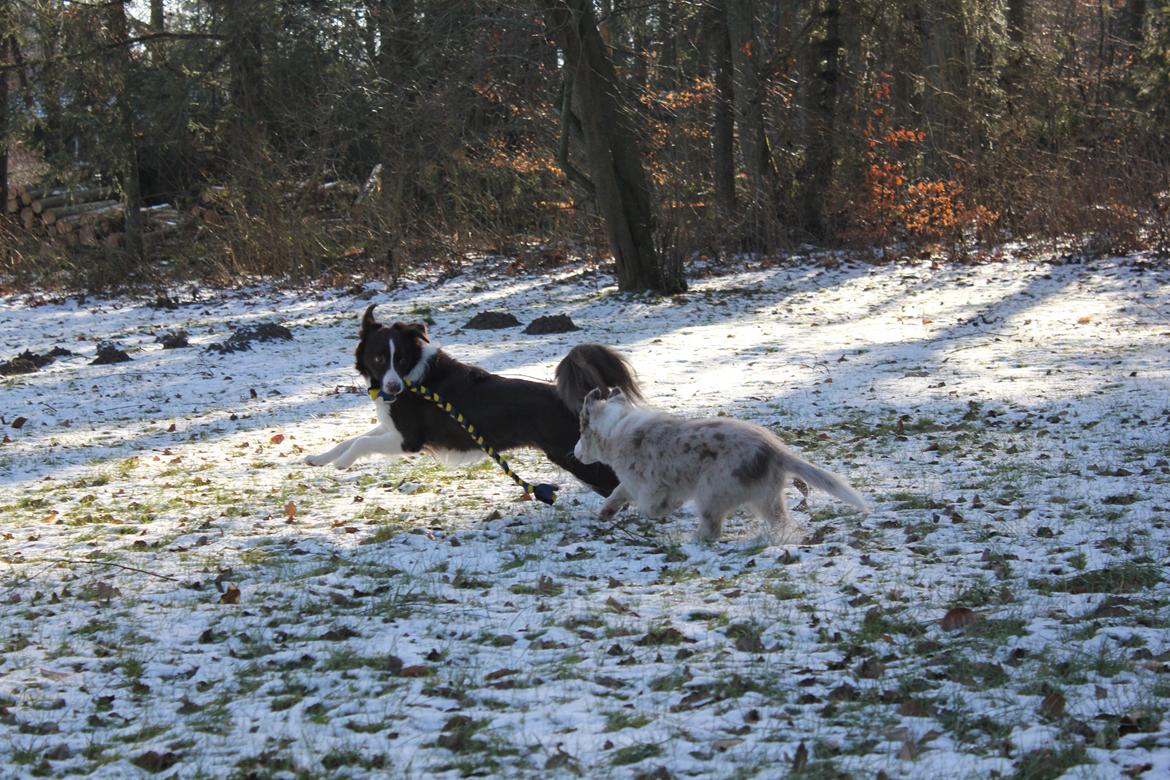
pixel 317 139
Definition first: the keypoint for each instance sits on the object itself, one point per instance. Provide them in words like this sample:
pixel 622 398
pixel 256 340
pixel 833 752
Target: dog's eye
pixel 379 359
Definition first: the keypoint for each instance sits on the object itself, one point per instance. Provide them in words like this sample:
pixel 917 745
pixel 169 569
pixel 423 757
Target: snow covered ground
pixel 180 594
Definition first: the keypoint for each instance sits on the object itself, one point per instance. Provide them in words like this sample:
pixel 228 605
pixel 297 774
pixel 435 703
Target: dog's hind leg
pixel 713 509
pixel 710 524
pixel 772 511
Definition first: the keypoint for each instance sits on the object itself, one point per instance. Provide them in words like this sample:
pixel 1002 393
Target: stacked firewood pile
pixel 83 215
pixel 93 215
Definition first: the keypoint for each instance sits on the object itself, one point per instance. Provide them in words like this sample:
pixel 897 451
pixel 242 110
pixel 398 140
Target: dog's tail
pixel 589 366
pixel 819 478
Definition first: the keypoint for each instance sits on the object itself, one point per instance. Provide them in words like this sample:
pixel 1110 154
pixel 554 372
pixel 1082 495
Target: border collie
pixel 507 412
pixel 664 461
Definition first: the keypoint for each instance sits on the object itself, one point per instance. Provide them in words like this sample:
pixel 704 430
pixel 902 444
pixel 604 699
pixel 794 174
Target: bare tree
pixel 122 67
pixel 820 126
pixel 763 181
pixel 722 115
pixel 617 175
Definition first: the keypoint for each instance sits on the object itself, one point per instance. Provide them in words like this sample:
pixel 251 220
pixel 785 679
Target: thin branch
pixel 98 50
pixel 563 149
pixel 110 563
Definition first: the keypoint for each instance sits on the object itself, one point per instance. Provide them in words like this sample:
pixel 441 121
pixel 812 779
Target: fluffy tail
pixel 818 478
pixel 589 366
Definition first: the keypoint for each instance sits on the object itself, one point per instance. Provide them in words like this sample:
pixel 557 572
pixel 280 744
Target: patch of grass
pixel 782 591
pixel 997 630
pixel 671 681
pixel 632 754
pixel 877 624
pixel 1125 577
pixel 676 575
pixel 979 675
pixel 144 734
pixel 906 501
pixel 625 719
pixel 1049 763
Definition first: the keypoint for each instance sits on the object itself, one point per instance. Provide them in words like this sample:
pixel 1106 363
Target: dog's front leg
pixel 381 443
pixel 377 441
pixel 615 503
pixel 331 454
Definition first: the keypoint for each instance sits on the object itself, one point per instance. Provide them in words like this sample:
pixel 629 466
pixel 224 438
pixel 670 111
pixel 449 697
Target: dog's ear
pixel 369 324
pixel 616 394
pixel 592 395
pixel 419 331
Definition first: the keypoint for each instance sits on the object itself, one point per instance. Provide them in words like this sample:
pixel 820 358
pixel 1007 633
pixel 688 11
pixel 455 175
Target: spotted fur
pixel 663 461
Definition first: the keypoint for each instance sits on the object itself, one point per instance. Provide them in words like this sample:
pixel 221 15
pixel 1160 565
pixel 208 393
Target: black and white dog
pixel 507 412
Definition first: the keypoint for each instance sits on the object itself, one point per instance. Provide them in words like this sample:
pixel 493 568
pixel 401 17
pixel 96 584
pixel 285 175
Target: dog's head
pixel 600 411
pixel 388 354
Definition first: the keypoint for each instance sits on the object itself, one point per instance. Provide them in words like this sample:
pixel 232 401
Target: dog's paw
pixel 316 460
pixel 609 511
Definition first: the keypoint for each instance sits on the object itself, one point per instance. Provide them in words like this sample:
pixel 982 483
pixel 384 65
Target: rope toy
pixel 544 492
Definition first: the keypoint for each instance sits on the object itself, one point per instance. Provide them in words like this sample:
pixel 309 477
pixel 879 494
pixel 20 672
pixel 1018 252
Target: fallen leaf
pixel 290 510
pixel 415 670
pixel 1052 706
pixel 19 422
pixel 106 591
pixel 277 438
pixel 1084 320
pixel 800 757
pixel 958 617
pixel 230 596
pixel 156 762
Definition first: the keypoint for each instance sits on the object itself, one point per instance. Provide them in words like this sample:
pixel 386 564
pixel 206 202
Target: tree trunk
pixel 612 149
pixel 157 16
pixel 668 58
pixel 3 104
pixel 395 23
pixel 242 29
pixel 944 72
pixel 763 208
pixel 1134 24
pixel 123 70
pixel 723 117
pixel 820 125
pixel 1018 15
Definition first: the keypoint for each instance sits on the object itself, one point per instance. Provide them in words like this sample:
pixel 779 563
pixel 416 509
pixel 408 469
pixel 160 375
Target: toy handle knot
pixel 545 493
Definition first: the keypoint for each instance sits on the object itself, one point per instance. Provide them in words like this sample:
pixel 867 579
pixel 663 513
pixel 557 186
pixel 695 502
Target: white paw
pixel 343 463
pixel 316 460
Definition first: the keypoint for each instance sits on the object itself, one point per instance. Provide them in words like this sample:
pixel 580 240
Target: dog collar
pixel 376 394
